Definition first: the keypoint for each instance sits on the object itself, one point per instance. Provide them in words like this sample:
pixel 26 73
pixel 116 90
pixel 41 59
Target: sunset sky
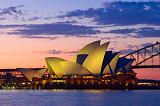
pixel 31 30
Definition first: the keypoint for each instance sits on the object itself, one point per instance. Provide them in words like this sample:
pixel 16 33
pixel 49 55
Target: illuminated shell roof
pixel 54 65
pixel 71 68
pixel 91 59
pixel 94 60
pixel 110 68
pixel 41 72
pixel 62 67
pixel 87 49
pixel 123 65
pixel 28 73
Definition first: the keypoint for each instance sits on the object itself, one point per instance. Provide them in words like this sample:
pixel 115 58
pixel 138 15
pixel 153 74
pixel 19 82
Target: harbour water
pixel 79 98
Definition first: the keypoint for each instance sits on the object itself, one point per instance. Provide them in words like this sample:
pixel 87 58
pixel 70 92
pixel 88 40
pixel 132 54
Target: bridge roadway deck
pixel 146 66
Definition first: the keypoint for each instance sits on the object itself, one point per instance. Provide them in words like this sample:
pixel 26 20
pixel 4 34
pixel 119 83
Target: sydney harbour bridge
pixel 146 57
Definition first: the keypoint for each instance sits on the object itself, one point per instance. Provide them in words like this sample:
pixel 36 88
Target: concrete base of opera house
pixel 82 86
pixel 82 83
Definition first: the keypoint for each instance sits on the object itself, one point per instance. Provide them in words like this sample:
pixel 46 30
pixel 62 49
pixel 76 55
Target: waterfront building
pixel 93 61
pixel 92 67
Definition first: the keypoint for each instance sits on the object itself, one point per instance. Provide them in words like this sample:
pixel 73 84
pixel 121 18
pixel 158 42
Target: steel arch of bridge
pixel 142 55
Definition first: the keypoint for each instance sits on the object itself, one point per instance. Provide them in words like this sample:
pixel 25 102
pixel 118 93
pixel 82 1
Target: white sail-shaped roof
pixel 71 68
pixel 124 65
pixel 28 73
pixel 63 67
pixel 54 65
pixel 112 65
pixel 94 60
pixel 128 66
pixel 87 49
pixel 41 72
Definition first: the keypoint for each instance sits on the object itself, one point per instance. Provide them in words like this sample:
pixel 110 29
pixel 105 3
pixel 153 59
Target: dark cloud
pixel 13 10
pixel 83 36
pixel 149 32
pixel 2 18
pixel 142 32
pixel 71 52
pixel 122 31
pixel 34 18
pixel 48 18
pixel 132 48
pixel 121 13
pixel 146 44
pixel 32 30
pixel 53 51
pixel 41 37
pixel 126 51
pixel 54 29
pixel 68 22
pixel 12 26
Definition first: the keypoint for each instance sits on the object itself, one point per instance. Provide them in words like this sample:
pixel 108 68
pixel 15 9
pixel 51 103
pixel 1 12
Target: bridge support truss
pixel 142 55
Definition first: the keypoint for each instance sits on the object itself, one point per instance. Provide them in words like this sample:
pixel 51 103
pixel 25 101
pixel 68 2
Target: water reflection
pixel 79 98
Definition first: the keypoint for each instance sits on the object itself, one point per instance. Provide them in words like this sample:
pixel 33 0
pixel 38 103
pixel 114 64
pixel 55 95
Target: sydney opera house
pixel 93 66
